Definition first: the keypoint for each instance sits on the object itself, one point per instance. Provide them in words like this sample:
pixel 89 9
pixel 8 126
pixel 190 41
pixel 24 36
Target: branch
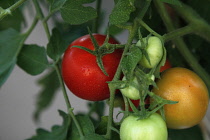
pixel 8 11
pixel 181 46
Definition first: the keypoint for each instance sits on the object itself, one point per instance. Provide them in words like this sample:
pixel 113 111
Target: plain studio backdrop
pixel 18 94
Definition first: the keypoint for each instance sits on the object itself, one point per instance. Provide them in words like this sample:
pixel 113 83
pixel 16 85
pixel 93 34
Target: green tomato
pixel 154 50
pixel 131 91
pixel 151 128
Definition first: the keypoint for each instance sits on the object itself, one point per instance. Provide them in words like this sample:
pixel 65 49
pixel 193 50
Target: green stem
pixel 144 10
pixel 41 17
pixel 178 32
pixel 132 34
pixel 200 26
pixel 8 11
pixel 96 21
pixel 69 108
pixel 181 46
pixel 143 24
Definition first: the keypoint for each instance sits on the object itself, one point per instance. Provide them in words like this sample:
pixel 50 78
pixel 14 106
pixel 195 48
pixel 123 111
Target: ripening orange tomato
pixel 186 87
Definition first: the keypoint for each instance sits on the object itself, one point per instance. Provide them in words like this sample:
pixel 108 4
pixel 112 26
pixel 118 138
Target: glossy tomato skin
pixel 151 128
pixel 81 73
pixel 186 87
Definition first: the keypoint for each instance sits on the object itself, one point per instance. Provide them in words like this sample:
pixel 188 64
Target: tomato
pixel 154 50
pixel 166 66
pixel 186 87
pixel 151 128
pixel 81 73
pixel 131 91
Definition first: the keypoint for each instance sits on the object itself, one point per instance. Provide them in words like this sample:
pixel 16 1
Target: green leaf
pixel 55 5
pixel 75 7
pixel 56 45
pixel 57 132
pixel 50 84
pixel 130 61
pixel 121 12
pixel 173 2
pixel 6 73
pixel 10 44
pixel 86 125
pixel 193 133
pixel 94 137
pixel 33 59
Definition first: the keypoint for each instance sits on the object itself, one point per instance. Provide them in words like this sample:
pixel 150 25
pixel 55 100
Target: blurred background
pixel 18 94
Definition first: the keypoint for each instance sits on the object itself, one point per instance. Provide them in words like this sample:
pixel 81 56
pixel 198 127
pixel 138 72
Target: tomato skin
pixel 151 128
pixel 81 73
pixel 186 87
pixel 166 66
pixel 154 50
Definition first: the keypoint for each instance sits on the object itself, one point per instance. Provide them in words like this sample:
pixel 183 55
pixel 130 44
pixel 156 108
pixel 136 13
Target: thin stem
pixel 41 17
pixel 181 46
pixel 200 26
pixel 96 21
pixel 142 23
pixel 178 32
pixel 57 68
pixel 132 34
pixel 8 11
pixel 144 10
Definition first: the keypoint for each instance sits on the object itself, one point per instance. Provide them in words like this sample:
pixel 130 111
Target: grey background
pixel 17 95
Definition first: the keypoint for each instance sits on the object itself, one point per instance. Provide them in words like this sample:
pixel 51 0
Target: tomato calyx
pixel 99 51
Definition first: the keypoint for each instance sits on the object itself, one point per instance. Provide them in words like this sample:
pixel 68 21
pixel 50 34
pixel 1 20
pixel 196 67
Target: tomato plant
pixel 186 87
pixel 153 127
pixel 79 52
pixel 81 72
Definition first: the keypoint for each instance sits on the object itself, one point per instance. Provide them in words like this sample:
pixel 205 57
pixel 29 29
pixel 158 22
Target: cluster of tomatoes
pixel 86 80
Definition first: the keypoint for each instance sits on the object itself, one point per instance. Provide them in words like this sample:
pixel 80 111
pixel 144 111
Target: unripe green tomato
pixel 131 91
pixel 154 50
pixel 151 128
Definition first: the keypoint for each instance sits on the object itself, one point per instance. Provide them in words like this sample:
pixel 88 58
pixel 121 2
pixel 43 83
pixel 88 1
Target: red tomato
pixel 166 66
pixel 81 73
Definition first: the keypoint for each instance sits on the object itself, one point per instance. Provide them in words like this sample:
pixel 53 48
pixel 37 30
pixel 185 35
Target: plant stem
pixel 96 21
pixel 132 34
pixel 69 108
pixel 41 17
pixel 181 46
pixel 142 23
pixel 8 11
pixel 200 26
pixel 178 32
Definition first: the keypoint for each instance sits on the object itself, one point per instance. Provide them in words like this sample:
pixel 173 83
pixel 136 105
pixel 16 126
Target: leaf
pixel 86 125
pixel 121 12
pixel 33 59
pixel 56 45
pixel 94 137
pixel 75 7
pixel 45 97
pixel 55 5
pixel 130 61
pixel 10 44
pixel 193 133
pixel 6 73
pixel 173 2
pixel 57 132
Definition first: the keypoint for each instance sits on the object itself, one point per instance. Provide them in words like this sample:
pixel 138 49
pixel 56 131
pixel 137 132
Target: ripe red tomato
pixel 186 87
pixel 81 73
pixel 166 66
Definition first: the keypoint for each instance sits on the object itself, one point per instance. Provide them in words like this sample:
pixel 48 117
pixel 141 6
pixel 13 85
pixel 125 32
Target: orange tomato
pixel 186 87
